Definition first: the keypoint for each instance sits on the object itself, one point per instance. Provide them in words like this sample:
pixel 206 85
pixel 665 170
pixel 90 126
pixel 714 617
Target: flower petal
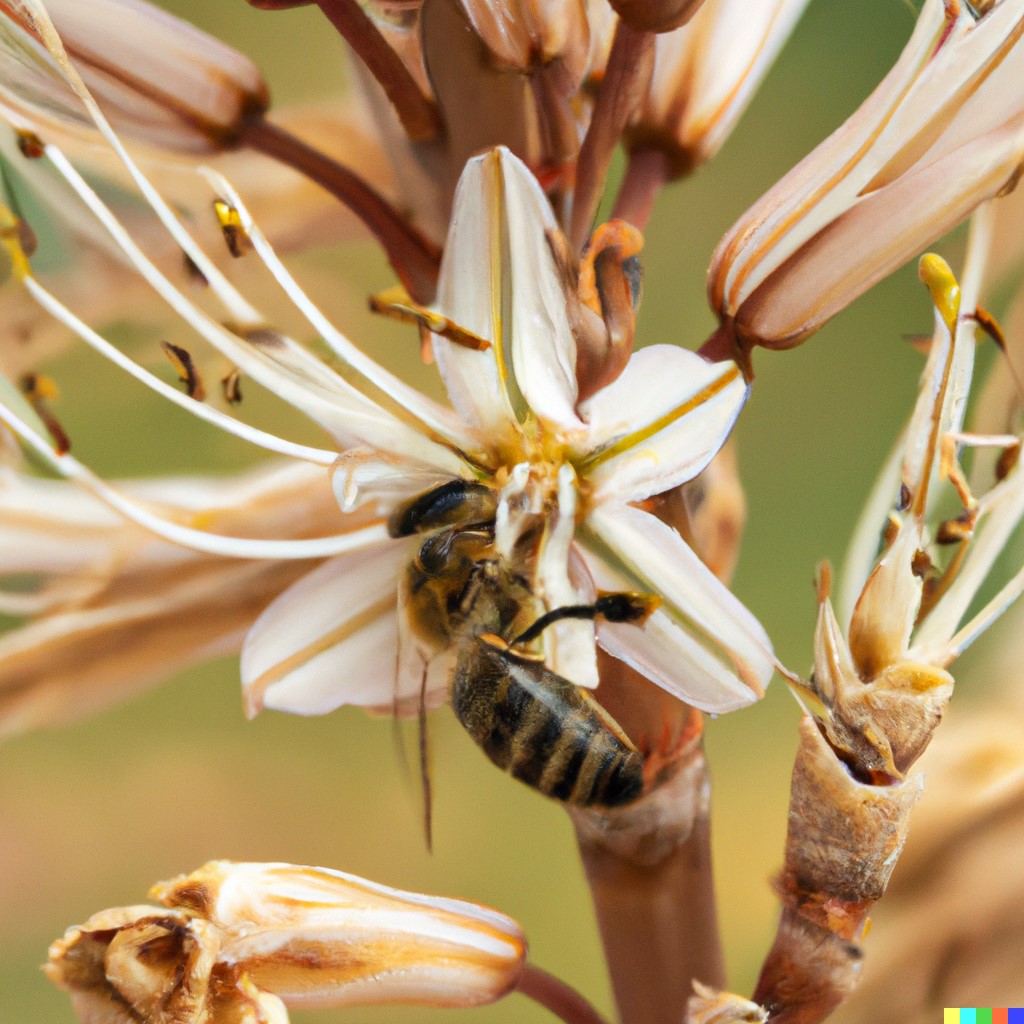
pixel 330 639
pixel 878 234
pixel 660 423
pixel 569 647
pixel 655 558
pixel 314 936
pixel 498 280
pixel 158 78
pixel 668 656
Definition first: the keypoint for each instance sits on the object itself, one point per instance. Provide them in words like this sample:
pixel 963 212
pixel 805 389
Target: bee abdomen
pixel 537 726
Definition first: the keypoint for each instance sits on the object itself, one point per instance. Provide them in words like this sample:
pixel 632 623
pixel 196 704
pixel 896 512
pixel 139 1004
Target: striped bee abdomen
pixel 541 728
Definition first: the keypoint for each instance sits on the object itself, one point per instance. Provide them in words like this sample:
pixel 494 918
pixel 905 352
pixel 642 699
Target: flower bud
pixel 705 73
pixel 941 134
pixel 239 942
pixel 655 15
pixel 322 937
pixel 157 78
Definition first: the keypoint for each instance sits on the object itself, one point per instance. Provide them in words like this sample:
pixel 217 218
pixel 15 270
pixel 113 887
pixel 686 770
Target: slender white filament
pixel 229 424
pixel 185 536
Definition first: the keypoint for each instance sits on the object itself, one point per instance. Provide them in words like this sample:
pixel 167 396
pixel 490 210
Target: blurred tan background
pixel 91 815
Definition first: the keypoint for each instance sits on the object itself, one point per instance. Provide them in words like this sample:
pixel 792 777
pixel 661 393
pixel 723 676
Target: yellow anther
pixel 10 236
pixel 934 272
pixel 230 221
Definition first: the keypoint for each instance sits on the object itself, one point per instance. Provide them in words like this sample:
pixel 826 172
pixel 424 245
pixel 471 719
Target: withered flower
pixel 241 942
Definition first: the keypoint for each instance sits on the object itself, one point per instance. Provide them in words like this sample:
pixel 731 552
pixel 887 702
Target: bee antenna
pixel 618 606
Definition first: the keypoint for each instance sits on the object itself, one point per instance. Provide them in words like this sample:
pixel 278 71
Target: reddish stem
pixel 417 112
pixel 555 995
pixel 647 170
pixel 630 64
pixel 414 257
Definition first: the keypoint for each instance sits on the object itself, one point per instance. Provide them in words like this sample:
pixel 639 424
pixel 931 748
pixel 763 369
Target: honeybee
pixel 461 595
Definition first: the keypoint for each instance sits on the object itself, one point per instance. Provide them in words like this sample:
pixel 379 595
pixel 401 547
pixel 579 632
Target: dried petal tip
pixel 157 78
pixel 238 942
pixel 656 15
pixel 710 1006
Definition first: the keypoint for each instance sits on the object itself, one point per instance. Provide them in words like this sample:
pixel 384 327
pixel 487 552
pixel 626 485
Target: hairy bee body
pixel 463 597
pixel 540 728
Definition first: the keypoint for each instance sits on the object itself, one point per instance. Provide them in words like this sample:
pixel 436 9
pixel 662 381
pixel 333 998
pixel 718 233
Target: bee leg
pixel 428 792
pixel 618 606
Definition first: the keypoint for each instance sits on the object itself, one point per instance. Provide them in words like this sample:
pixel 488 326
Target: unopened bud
pixel 655 15
pixel 157 78
pixel 242 941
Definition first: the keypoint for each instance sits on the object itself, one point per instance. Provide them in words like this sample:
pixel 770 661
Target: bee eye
pixel 455 502
pixel 435 554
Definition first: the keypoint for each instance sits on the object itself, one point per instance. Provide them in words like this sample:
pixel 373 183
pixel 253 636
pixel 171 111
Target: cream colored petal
pixel 884 614
pixel 362 477
pixel 158 78
pixel 526 35
pixel 133 610
pixel 878 234
pixel 499 280
pixel 706 72
pixel 317 937
pixel 972 86
pixel 821 186
pixel 677 662
pixel 659 423
pixel 657 560
pixel 569 649
pixel 331 639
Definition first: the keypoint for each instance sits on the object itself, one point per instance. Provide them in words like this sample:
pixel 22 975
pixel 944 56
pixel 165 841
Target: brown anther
pixel 396 304
pixel 30 145
pixel 188 372
pixel 231 385
pixel 40 390
pixel 1007 461
pixel 954 531
pixel 235 235
pixel 991 326
pixel 903 503
pixel 921 565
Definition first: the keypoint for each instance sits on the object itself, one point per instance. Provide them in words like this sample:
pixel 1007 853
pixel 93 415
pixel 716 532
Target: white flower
pixel 573 471
pixel 576 471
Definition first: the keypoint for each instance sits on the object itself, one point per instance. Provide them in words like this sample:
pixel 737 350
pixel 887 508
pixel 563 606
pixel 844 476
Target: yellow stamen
pixel 934 272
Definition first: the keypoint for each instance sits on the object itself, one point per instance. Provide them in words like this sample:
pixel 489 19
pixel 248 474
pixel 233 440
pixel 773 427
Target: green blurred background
pixel 93 814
